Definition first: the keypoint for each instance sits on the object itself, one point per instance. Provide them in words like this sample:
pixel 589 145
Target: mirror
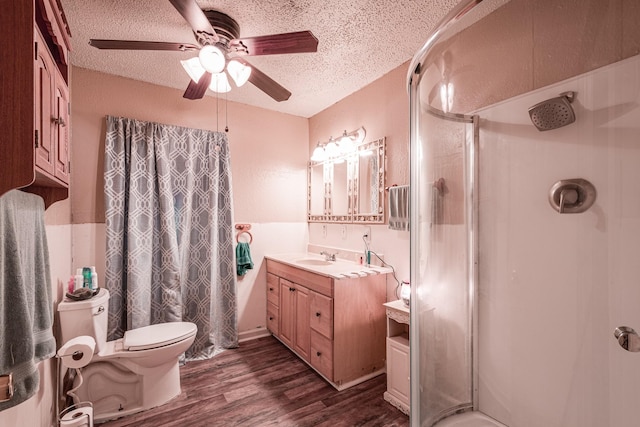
pixel 317 201
pixel 369 182
pixel 352 188
pixel 339 195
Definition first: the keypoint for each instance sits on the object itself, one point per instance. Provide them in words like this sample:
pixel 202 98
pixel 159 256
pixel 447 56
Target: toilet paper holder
pixel 77 415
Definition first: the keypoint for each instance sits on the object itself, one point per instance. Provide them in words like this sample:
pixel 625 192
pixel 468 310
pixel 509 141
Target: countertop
pixel 338 269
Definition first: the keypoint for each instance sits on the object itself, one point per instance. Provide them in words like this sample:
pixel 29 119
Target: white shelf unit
pixel 398 370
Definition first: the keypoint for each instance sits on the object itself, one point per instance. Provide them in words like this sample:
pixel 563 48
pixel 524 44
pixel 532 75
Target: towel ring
pixel 241 232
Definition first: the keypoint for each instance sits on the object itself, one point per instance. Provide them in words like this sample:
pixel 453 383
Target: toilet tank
pixel 88 317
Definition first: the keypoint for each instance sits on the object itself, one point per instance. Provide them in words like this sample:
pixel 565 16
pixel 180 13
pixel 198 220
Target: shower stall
pixel 525 215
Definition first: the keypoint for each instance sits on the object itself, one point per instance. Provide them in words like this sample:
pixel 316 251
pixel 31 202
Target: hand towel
pixel 399 207
pixel 243 258
pixel 26 308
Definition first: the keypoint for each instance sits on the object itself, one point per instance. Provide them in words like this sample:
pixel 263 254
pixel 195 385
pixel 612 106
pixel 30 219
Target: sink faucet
pixel 328 256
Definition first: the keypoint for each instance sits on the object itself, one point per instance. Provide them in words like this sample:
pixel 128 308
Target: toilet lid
pixel 158 335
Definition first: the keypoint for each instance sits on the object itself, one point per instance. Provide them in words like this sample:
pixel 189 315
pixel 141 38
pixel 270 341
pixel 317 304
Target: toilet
pixel 136 372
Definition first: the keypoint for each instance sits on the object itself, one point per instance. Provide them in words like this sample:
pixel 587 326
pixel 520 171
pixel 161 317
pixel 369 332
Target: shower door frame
pixel 470 174
pixel 471 204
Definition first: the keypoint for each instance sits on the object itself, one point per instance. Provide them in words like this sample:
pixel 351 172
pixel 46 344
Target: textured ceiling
pixel 359 41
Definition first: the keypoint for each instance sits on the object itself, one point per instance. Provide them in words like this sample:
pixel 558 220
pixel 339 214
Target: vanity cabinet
pixel 35 43
pixel 335 325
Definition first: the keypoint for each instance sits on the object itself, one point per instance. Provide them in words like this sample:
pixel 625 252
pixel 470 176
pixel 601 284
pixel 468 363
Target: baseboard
pixel 253 334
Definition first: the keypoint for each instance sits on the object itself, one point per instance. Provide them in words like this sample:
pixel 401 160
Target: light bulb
pixel 332 148
pixel 194 68
pixel 318 154
pixel 239 72
pixel 346 144
pixel 219 83
pixel 212 59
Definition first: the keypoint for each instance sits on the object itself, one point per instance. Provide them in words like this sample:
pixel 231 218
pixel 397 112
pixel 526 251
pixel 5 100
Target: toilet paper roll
pixel 77 352
pixel 79 417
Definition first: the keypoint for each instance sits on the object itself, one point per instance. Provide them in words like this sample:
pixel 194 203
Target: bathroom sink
pixel 313 261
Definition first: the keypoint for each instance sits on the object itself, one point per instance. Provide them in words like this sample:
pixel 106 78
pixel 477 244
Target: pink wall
pixel 268 149
pixel 383 109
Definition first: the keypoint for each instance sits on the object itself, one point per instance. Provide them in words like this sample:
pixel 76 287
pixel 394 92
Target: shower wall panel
pixel 553 287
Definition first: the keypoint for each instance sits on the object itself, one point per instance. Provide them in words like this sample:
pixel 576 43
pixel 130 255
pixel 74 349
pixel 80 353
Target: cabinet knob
pixel 271 289
pixel 292 289
pixel 318 314
pixel 318 354
pixel 270 318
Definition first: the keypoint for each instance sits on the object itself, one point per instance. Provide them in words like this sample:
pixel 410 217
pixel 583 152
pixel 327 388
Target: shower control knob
pixel 572 195
pixel 627 338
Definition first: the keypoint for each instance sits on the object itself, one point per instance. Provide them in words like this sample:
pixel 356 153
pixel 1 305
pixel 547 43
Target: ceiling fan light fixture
pixel 193 68
pixel 219 83
pixel 212 58
pixel 239 72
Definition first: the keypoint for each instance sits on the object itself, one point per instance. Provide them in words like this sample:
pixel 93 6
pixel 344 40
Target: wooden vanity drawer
pixel 273 289
pixel 321 313
pixel 312 281
pixel 321 357
pixel 273 318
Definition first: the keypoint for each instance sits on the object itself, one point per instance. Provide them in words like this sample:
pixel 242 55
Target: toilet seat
pixel 159 335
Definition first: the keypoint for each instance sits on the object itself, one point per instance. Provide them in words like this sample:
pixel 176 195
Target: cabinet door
pixel 321 312
pixel 302 328
pixel 273 289
pixel 273 318
pixel 398 377
pixel 287 312
pixel 321 356
pixel 61 129
pixel 44 77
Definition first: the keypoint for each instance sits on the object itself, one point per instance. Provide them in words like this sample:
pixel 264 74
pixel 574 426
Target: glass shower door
pixel 443 273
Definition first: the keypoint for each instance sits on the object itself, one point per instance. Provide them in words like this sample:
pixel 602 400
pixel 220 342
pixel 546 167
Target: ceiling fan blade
pixel 191 12
pixel 266 83
pixel 141 45
pixel 296 42
pixel 197 90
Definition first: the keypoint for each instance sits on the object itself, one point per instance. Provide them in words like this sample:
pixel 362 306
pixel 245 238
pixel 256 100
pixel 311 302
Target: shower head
pixel 553 113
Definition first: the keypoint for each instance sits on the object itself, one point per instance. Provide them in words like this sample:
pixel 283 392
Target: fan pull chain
pixel 226 112
pixel 217 113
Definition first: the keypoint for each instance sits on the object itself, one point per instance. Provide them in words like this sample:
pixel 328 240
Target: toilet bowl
pixel 136 372
pixel 469 419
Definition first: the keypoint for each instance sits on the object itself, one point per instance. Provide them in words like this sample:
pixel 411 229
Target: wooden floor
pixel 263 383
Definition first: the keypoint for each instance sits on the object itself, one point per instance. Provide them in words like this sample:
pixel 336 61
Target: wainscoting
pixel 262 383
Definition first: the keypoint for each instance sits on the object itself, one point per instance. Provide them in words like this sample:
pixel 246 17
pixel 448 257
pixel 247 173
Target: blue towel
pixel 26 307
pixel 243 258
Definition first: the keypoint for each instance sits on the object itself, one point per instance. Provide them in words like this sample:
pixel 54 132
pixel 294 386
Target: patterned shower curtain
pixel 169 231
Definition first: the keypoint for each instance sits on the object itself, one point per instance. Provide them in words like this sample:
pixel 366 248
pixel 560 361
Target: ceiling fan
pixel 219 45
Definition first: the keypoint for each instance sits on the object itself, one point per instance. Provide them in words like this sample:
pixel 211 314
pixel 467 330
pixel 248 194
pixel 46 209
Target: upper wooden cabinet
pixel 34 53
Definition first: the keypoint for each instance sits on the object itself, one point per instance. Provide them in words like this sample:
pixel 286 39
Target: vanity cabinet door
pixel 287 312
pixel 273 303
pixel 322 354
pixel 294 317
pixel 273 289
pixel 273 318
pixel 302 328
pixel 321 314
